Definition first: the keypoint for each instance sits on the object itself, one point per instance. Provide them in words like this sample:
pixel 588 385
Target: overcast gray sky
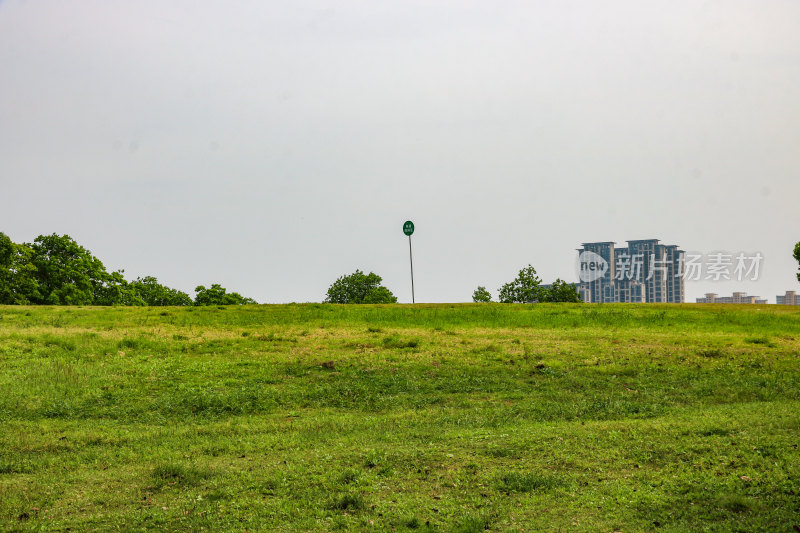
pixel 273 146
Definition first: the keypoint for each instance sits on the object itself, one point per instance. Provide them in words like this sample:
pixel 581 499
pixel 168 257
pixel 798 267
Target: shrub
pixel 359 288
pixel 481 295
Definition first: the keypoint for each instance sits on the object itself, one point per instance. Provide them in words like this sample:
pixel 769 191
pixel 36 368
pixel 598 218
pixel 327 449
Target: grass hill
pixel 397 417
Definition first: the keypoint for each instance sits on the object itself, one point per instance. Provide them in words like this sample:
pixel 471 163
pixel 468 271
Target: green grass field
pixel 401 418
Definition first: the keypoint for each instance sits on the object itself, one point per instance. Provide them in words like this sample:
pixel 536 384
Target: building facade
pixel 644 271
pixel 790 298
pixel 736 298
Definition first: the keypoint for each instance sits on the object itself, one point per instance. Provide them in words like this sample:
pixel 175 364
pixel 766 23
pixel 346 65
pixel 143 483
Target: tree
pixel 380 295
pixel 6 250
pixel 524 289
pixel 56 270
pixel 151 292
pixel 481 295
pixel 218 295
pixel 18 284
pixel 561 291
pixel 797 258
pixel 68 273
pixel 116 291
pixel 359 288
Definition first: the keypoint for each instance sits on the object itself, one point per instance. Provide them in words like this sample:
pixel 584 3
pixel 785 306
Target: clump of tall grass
pixel 177 474
pixel 396 342
pixel 348 502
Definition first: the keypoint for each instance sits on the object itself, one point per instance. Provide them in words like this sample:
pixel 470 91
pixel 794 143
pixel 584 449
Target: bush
pixel 524 289
pixel 561 291
pixel 359 288
pixel 151 292
pixel 481 295
pixel 218 295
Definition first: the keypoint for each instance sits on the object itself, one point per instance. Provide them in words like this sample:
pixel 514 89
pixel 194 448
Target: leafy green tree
pixel 359 288
pixel 218 295
pixel 116 291
pixel 481 295
pixel 380 295
pixel 524 289
pixel 68 273
pixel 797 258
pixel 18 283
pixel 57 270
pixel 6 250
pixel 561 291
pixel 151 292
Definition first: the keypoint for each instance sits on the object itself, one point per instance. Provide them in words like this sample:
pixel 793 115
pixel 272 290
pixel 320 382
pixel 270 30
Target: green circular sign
pixel 408 228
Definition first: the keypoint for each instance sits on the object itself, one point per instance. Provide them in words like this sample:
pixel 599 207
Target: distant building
pixel 736 298
pixel 644 271
pixel 790 298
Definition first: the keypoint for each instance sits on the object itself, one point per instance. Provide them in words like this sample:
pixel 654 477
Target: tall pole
pixel 408 229
pixel 411 260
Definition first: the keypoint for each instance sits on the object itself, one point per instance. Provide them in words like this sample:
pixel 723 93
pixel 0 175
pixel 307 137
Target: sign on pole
pixel 408 229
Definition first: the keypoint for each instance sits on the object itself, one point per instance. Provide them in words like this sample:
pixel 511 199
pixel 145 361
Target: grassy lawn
pixel 466 418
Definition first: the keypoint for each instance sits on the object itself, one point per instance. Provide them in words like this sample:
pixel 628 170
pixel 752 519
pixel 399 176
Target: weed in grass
pixel 735 503
pixel 348 502
pixel 374 330
pixel 501 452
pixel 395 342
pixel 412 523
pixel 487 348
pixel 760 340
pixel 218 495
pixel 710 352
pixel 374 458
pixel 56 341
pixel 129 343
pixel 527 352
pixel 716 432
pixel 472 524
pixel 177 474
pixel 544 370
pixel 522 482
pixel 214 451
pixel 767 450
pixel 266 487
pixel 349 476
pixel 295 370
pixel 271 337
pixel 15 466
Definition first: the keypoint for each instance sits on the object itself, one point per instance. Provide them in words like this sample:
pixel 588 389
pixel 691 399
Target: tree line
pixel 56 270
pixel 360 288
pixel 527 288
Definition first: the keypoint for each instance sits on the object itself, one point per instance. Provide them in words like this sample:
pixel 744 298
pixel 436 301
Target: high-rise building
pixel 790 298
pixel 644 271
pixel 736 298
